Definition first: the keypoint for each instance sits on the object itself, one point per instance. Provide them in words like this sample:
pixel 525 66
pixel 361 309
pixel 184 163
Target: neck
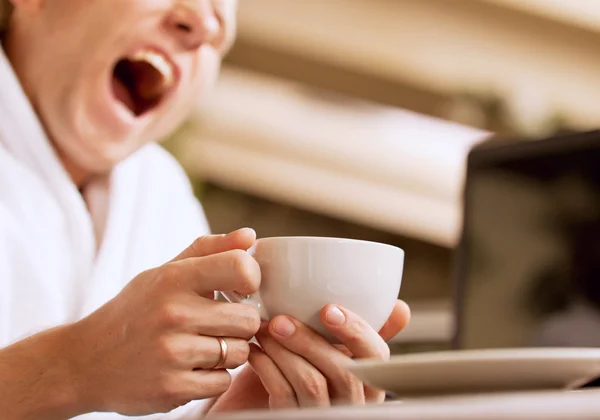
pixel 79 176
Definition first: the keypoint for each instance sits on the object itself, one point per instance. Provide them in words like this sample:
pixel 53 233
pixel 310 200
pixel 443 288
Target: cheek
pixel 204 76
pixel 191 95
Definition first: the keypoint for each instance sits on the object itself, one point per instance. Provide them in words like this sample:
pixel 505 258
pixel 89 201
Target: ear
pixel 27 5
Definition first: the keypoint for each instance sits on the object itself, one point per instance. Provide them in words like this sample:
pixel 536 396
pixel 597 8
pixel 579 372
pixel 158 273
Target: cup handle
pixel 254 300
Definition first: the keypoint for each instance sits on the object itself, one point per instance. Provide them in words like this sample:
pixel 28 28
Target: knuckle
pixel 240 351
pixel 172 315
pixel 162 275
pixel 356 332
pixel 198 245
pixel 246 269
pixel 174 391
pixel 314 386
pixel 250 319
pixel 349 382
pixel 167 276
pixel 170 390
pixel 283 394
pixel 169 350
pixel 243 352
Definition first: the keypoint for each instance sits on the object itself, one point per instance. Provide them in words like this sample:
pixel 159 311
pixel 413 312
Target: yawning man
pixel 107 269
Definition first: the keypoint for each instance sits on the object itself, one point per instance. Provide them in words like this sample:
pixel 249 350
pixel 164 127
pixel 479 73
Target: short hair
pixel 5 11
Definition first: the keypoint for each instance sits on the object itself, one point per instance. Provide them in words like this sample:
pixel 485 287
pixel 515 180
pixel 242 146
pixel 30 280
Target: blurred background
pixel 354 118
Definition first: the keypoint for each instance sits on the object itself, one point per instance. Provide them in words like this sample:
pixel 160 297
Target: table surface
pixel 542 405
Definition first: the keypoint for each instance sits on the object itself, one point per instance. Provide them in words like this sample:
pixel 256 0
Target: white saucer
pixel 475 371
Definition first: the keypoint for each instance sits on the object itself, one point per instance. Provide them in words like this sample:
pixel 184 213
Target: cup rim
pixel 328 239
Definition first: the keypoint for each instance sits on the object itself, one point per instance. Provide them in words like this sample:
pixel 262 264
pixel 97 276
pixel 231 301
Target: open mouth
pixel 142 81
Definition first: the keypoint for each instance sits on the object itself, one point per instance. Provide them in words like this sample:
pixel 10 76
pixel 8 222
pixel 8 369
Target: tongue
pixel 122 93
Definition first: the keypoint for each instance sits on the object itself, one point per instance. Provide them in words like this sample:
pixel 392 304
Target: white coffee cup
pixel 300 275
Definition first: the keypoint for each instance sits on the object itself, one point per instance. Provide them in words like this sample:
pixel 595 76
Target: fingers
pixel 202 316
pixel 374 395
pixel 361 340
pixel 233 270
pixel 208 350
pixel 397 321
pixel 213 244
pixel 177 389
pixel 199 384
pixel 309 385
pixel 354 332
pixel 281 393
pixel 189 352
pixel 224 319
pixel 344 387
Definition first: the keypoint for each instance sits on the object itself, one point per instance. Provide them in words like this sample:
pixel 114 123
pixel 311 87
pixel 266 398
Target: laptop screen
pixel 529 259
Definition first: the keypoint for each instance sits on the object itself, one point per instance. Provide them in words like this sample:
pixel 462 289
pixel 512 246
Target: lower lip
pixel 116 112
pixel 120 115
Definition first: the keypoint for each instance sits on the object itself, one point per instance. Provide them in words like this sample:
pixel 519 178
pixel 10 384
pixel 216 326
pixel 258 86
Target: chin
pixel 95 157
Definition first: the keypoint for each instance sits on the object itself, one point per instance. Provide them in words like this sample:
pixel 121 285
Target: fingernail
pixel 245 230
pixel 334 316
pixel 283 327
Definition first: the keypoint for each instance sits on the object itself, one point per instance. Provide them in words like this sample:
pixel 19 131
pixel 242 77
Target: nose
pixel 192 23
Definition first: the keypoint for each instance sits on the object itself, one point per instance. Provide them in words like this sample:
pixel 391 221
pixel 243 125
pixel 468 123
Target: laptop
pixel 528 263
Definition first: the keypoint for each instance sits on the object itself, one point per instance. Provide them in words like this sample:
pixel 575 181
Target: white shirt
pixel 60 261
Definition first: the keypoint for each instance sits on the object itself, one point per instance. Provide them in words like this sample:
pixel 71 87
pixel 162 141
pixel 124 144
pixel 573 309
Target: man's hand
pixel 298 368
pixel 153 347
pixel 150 349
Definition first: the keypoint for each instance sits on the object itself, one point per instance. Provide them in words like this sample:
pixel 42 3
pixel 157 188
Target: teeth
pixel 160 63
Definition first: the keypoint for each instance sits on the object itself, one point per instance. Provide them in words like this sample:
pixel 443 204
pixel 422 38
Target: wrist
pixel 37 379
pixel 79 362
pixel 66 348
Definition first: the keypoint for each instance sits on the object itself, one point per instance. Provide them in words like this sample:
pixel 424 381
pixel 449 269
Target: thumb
pixel 214 244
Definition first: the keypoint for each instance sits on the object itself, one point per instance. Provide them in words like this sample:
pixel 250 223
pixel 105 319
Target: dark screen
pixel 531 250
